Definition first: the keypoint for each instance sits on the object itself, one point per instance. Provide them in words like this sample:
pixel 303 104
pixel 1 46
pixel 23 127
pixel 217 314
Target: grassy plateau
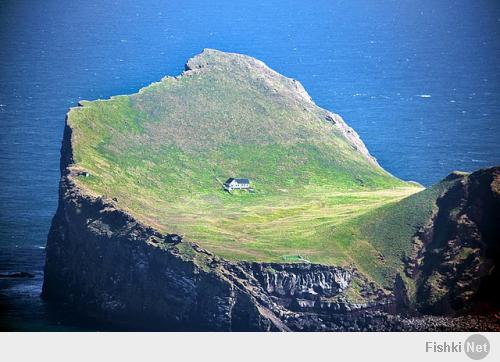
pixel 165 151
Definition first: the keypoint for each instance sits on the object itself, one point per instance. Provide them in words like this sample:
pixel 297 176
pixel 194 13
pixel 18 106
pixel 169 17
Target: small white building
pixel 237 184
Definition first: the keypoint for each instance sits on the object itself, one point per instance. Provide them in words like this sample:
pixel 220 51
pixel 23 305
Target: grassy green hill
pixel 165 151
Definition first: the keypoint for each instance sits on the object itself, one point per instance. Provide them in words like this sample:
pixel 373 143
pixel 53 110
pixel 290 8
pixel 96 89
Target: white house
pixel 237 184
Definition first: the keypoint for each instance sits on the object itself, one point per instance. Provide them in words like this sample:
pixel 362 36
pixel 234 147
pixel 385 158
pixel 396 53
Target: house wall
pixel 235 185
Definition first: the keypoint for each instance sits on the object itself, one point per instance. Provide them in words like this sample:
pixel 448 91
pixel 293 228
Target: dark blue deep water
pixel 418 80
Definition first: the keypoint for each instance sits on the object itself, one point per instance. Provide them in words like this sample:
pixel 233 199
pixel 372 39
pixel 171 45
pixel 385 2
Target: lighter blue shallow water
pixel 418 80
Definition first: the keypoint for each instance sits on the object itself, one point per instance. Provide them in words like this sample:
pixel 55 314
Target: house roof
pixel 238 180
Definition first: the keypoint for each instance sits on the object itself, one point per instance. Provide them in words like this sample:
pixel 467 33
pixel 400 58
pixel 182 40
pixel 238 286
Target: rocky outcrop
pixel 301 280
pixel 460 247
pixel 350 134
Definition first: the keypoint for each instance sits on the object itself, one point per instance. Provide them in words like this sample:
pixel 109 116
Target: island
pixel 314 236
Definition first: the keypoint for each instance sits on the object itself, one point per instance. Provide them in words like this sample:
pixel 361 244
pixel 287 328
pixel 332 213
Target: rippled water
pixel 419 81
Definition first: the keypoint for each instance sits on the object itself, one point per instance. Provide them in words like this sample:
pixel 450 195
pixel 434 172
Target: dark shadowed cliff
pixel 460 254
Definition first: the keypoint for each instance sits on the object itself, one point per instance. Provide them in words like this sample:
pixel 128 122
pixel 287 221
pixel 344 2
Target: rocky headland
pixel 104 263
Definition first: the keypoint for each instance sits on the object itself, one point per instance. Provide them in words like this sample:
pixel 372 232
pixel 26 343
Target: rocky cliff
pixel 460 247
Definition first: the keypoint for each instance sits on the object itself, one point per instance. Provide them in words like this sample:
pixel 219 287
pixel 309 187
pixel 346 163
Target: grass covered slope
pixel 164 152
pixel 390 230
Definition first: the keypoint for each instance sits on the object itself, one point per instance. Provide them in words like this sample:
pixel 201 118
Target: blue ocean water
pixel 418 80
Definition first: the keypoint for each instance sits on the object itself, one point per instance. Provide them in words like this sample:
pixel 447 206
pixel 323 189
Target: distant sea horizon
pixel 419 81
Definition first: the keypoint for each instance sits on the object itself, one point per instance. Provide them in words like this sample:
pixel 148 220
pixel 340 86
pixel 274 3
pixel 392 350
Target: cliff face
pixel 460 250
pixel 301 280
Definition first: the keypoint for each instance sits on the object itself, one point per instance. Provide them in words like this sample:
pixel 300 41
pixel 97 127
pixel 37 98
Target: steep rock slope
pixel 460 254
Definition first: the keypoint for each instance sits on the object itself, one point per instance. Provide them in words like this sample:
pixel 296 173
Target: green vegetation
pixel 165 151
pixel 389 231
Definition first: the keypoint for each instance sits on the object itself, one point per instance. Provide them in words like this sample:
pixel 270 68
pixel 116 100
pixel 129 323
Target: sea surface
pixel 418 80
